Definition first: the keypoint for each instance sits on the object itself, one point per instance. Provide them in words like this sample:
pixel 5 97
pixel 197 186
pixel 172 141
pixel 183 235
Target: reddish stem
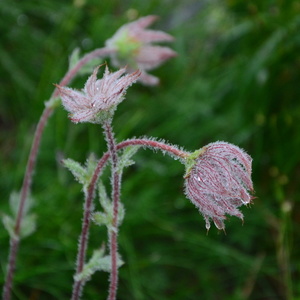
pixel 173 151
pixel 14 242
pixel 77 287
pixel 112 149
pixel 152 144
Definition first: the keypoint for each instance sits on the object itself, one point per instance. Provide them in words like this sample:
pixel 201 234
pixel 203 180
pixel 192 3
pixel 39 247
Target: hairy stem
pixel 115 181
pixel 83 240
pixel 14 242
pixel 171 150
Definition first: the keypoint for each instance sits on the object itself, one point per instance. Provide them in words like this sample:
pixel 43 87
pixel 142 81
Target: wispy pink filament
pixel 220 182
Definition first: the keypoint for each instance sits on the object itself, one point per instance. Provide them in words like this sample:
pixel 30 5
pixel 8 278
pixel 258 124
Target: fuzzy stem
pixel 83 241
pixel 152 144
pixel 14 242
pixel 115 179
pixel 173 151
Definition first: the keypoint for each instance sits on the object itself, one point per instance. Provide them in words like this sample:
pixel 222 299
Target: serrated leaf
pixel 101 218
pixel 76 169
pixel 9 224
pixel 91 267
pixel 105 263
pixel 14 202
pixel 125 158
pixel 121 213
pixel 107 206
pixel 83 174
pixel 91 165
pixel 98 262
pixel 28 225
pixel 105 201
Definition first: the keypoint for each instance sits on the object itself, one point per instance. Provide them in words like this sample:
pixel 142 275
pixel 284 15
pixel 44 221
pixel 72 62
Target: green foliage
pixel 236 78
pixel 28 225
pixel 125 160
pixel 82 174
pixel 98 262
pixel 86 69
pixel 106 217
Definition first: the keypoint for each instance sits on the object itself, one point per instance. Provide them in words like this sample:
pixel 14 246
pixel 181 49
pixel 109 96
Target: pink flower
pixel 98 97
pixel 220 181
pixel 132 45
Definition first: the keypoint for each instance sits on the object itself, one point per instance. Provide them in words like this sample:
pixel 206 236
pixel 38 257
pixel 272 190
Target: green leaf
pixel 121 213
pixel 87 69
pixel 101 218
pixel 76 169
pixel 107 205
pixel 82 173
pixel 98 262
pixel 74 58
pixel 91 165
pixel 9 224
pixel 28 225
pixel 14 203
pixel 105 201
pixel 125 159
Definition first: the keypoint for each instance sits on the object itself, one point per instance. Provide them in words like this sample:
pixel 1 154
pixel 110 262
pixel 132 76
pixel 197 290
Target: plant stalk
pixel 113 235
pixel 15 241
pixel 89 196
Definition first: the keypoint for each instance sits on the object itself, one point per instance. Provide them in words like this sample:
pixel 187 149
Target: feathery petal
pixel 132 45
pixel 151 57
pixel 142 22
pixel 97 96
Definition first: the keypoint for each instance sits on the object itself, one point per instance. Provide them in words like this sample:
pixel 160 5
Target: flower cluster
pixel 132 46
pixel 219 182
pixel 98 96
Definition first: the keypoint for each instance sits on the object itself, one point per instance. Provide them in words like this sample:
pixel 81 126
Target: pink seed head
pixel 219 182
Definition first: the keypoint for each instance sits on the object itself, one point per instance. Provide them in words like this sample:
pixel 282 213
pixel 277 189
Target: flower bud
pixel 219 181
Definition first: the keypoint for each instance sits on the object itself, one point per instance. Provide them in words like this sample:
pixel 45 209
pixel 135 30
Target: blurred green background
pixel 236 78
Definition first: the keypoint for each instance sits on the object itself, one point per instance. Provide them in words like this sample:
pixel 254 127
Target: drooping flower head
pixel 219 181
pixel 99 97
pixel 132 45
